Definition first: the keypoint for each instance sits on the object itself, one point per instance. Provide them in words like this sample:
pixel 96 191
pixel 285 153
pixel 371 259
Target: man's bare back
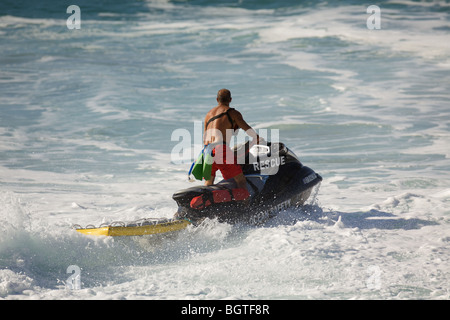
pixel 220 122
pixel 221 128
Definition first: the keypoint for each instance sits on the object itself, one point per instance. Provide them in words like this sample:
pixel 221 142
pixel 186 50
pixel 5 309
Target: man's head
pixel 224 96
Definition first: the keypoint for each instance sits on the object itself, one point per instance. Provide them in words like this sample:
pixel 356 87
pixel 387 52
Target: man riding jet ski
pixel 221 123
pixel 258 181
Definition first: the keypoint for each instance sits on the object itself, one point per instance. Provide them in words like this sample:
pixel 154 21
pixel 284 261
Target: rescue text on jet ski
pixel 269 163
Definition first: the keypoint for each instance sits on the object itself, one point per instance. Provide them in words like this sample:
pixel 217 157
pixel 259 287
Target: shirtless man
pixel 219 123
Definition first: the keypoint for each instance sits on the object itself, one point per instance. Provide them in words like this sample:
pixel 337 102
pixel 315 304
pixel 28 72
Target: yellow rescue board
pixel 136 230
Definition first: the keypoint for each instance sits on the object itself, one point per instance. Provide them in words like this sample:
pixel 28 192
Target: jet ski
pixel 276 180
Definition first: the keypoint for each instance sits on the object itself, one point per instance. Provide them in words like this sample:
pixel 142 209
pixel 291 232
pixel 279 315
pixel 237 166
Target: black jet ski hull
pixel 277 182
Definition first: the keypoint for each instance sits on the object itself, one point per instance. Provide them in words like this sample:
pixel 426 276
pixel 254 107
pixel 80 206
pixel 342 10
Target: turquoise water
pixel 86 123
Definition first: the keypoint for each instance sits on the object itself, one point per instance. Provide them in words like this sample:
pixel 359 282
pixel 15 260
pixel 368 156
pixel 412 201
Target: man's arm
pixel 210 181
pixel 237 117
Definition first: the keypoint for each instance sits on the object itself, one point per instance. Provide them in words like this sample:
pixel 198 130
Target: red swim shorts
pixel 225 161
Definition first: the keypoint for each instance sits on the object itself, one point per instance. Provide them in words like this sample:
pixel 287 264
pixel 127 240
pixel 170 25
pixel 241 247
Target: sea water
pixel 87 113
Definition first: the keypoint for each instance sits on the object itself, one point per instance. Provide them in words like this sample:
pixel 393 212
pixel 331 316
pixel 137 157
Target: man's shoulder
pixel 218 109
pixel 233 111
pixel 212 111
